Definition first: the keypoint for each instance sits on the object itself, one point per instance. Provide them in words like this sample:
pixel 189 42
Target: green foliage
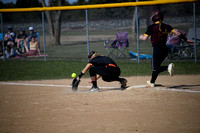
pixel 38 70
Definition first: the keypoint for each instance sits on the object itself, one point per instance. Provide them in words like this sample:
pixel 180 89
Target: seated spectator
pixel 9 37
pixel 20 40
pixel 173 41
pixel 9 52
pixel 34 47
pixel 30 34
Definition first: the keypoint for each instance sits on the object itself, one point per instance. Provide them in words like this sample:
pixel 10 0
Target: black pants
pixel 159 55
pixel 108 74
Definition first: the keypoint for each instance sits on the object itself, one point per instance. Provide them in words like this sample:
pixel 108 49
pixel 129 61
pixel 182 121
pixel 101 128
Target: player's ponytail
pixel 160 24
pixel 157 16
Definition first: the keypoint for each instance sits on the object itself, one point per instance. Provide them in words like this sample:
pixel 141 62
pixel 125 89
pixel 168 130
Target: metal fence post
pixel 2 36
pixel 137 30
pixel 44 41
pixel 87 31
pixel 195 35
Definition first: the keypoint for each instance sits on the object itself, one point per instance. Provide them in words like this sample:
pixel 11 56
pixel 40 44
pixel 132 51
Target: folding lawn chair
pixel 179 48
pixel 117 47
pixel 185 50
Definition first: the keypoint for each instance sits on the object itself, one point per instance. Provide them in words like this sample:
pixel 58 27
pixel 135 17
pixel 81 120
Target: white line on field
pixel 176 90
pixel 69 86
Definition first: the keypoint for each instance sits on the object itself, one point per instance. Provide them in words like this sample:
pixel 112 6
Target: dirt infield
pixel 49 106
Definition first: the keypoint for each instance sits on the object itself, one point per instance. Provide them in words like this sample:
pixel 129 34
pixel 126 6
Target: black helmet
pixel 157 15
pixel 91 54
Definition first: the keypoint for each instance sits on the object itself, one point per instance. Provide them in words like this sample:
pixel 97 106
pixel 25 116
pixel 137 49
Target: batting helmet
pixel 157 15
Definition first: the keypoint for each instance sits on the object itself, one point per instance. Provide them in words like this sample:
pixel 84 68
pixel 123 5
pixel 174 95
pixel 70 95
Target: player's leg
pixel 114 73
pixel 159 56
pixel 93 76
pixel 161 59
pixel 170 67
pixel 155 66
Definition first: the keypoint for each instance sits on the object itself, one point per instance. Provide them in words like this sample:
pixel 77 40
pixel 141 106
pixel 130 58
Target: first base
pixel 137 86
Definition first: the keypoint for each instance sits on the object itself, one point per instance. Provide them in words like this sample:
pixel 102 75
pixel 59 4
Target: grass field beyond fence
pixel 40 70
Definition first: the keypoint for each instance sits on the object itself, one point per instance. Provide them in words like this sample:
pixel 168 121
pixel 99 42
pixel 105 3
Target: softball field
pixel 49 106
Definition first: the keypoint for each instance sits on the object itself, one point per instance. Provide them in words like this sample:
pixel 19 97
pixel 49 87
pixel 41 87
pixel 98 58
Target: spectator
pixel 9 52
pixel 173 41
pixel 34 47
pixel 9 37
pixel 20 40
pixel 30 34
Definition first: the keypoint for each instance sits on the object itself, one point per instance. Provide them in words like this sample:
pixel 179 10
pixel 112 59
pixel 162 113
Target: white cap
pixel 31 28
pixel 12 34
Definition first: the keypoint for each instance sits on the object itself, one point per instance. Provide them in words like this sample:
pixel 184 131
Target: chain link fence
pixel 103 25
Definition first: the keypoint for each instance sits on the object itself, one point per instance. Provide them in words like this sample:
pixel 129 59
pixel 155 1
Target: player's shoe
pixel 123 83
pixel 151 84
pixel 171 69
pixel 94 89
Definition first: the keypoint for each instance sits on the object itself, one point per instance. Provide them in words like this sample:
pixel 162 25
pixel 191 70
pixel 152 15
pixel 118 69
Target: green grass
pixel 39 70
pixel 71 57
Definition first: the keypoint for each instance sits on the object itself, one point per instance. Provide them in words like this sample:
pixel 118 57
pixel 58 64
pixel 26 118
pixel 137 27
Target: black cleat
pixel 123 83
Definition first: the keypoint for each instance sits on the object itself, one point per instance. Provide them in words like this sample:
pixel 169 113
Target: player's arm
pixel 87 67
pixel 180 35
pixel 146 35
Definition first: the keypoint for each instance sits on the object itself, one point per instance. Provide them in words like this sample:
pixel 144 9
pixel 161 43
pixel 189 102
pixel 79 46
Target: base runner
pixel 102 66
pixel 159 32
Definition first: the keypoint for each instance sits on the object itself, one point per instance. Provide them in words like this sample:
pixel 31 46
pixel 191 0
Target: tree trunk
pixel 54 29
pixel 51 27
pixel 58 26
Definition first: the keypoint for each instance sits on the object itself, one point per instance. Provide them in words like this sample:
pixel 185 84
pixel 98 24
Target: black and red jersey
pixel 158 38
pixel 102 61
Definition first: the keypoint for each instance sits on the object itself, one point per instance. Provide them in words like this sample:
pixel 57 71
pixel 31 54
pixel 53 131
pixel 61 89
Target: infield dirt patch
pixel 33 108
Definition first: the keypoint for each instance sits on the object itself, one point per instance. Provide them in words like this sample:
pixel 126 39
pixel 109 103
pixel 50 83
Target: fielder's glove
pixel 75 84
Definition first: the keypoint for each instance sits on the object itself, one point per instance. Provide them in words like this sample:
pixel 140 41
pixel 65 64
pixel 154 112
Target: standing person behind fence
pixel 102 66
pixel 30 34
pixel 21 39
pixel 159 32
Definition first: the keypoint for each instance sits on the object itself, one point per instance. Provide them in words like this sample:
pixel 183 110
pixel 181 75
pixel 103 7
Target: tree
pixel 54 21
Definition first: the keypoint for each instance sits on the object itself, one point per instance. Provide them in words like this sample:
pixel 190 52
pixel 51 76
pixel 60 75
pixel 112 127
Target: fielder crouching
pixel 102 66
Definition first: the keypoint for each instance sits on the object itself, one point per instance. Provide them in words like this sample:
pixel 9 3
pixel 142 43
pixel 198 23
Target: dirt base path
pixel 49 106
